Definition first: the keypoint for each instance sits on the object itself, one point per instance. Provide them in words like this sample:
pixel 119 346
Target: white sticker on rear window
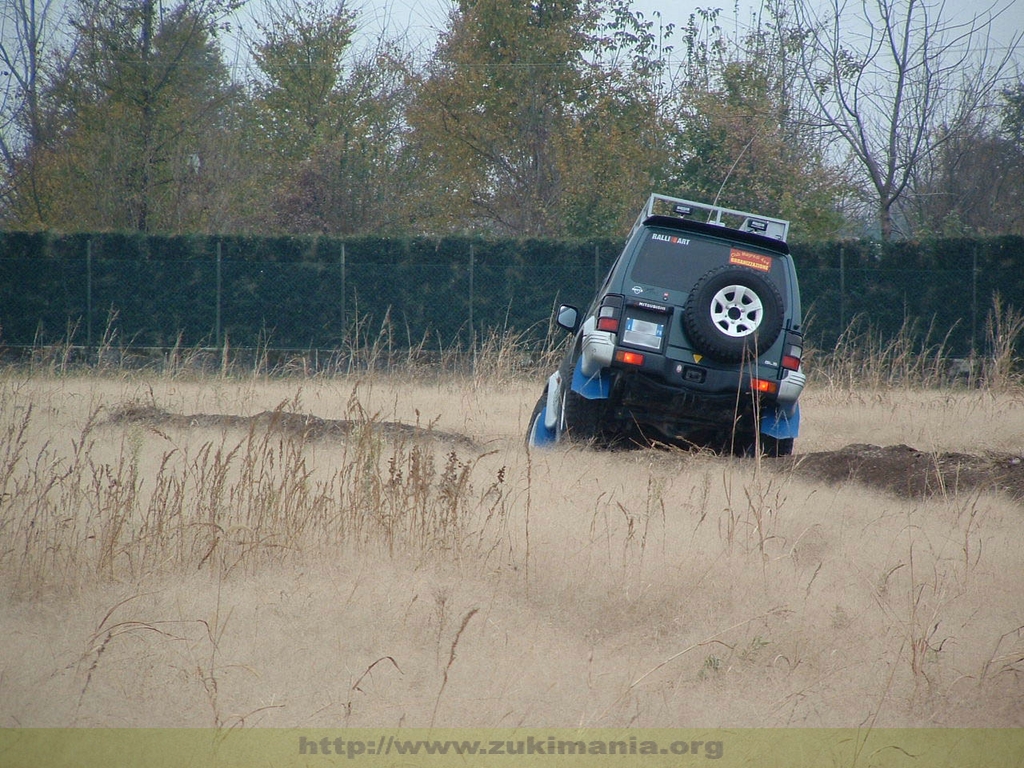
pixel 670 239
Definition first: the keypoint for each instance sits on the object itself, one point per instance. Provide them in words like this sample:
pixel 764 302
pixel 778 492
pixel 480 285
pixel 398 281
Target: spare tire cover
pixel 733 312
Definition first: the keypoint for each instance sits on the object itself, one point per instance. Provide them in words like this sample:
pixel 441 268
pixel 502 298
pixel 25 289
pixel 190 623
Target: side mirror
pixel 568 318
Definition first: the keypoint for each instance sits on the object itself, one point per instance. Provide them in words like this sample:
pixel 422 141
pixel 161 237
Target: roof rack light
pixel 759 224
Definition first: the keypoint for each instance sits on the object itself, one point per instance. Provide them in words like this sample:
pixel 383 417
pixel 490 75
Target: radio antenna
pixel 733 168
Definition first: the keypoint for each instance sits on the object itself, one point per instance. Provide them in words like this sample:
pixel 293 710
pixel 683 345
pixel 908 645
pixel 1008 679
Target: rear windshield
pixel 672 261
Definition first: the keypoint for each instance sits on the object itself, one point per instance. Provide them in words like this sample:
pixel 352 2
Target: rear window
pixel 674 262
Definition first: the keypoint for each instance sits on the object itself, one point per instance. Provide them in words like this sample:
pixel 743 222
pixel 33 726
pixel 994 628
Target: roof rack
pixel 663 205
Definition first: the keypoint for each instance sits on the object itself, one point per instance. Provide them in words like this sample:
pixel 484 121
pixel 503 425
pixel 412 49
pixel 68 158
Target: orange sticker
pixel 752 260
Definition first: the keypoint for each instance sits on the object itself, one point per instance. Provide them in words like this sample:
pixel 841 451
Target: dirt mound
pixel 298 424
pixel 897 469
pixel 911 473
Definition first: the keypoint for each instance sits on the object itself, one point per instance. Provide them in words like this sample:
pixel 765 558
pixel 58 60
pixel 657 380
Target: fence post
pixel 842 290
pixel 974 300
pixel 219 296
pixel 344 310
pixel 472 328
pixel 88 294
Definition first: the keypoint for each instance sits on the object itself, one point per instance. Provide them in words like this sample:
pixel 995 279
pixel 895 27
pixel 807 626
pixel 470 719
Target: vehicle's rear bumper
pixel 696 415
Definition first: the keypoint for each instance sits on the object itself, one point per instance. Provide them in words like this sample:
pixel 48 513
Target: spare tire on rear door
pixel 733 312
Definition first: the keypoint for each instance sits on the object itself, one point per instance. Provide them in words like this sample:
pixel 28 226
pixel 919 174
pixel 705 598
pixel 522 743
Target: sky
pixel 423 18
pixel 419 21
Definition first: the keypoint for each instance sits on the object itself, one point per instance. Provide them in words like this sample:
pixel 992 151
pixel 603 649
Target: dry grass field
pixel 382 551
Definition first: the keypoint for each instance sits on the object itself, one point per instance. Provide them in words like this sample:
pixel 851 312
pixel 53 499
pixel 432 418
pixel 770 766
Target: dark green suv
pixel 695 339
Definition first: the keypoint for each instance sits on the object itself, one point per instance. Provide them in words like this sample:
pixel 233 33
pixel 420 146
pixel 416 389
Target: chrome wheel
pixel 736 311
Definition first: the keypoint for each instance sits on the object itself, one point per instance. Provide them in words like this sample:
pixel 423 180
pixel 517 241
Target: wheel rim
pixel 737 311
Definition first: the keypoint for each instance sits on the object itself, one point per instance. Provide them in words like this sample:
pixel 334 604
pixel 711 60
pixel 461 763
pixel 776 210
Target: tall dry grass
pixel 365 349
pixel 865 358
pixel 122 496
pixel 205 572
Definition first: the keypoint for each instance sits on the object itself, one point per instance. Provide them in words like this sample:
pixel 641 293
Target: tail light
pixel 764 386
pixel 610 313
pixel 629 358
pixel 793 352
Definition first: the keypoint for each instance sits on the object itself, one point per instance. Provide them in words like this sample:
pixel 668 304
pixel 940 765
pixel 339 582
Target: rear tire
pixel 582 418
pixel 776 447
pixel 769 447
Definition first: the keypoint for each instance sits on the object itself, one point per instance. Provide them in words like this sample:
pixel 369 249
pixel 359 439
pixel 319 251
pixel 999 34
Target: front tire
pixel 538 435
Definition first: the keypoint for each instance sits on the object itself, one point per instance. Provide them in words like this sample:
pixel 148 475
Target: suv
pixel 694 339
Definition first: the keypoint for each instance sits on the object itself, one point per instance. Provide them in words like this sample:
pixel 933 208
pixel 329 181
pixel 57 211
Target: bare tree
pixel 893 79
pixel 26 27
pixel 973 185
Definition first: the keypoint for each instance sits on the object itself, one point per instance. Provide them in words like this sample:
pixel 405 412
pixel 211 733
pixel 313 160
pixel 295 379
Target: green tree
pixel 541 118
pixel 619 148
pixel 612 156
pixel 327 124
pixel 493 108
pixel 134 105
pixel 300 57
pixel 739 141
pixel 1012 114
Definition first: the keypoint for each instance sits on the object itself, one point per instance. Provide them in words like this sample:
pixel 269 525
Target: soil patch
pixel 300 425
pixel 911 473
pixel 897 469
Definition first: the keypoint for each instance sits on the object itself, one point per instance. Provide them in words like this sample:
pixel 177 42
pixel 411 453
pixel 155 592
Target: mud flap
pixel 781 422
pixel 596 387
pixel 541 436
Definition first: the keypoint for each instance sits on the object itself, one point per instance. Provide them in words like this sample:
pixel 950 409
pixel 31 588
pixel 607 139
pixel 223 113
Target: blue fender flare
pixel 596 387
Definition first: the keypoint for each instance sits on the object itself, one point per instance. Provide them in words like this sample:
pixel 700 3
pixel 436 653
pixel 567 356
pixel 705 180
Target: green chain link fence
pixel 323 295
